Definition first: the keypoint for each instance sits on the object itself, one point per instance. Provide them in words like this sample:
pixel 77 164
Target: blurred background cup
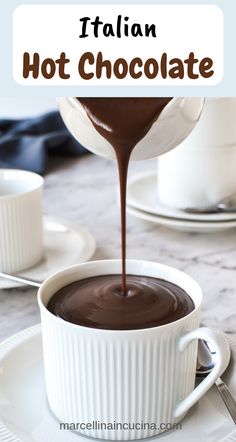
pixel 21 220
pixel 202 170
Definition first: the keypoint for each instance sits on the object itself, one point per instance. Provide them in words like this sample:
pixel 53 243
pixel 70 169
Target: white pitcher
pixel 174 124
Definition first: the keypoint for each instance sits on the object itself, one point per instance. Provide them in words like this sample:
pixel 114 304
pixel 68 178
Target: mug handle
pixel 222 359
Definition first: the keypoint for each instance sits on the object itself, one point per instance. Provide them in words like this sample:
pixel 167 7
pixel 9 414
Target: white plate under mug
pixel 182 225
pixel 25 415
pixel 142 195
pixel 65 245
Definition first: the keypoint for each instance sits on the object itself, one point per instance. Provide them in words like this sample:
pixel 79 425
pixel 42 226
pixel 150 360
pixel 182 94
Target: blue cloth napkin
pixel 26 144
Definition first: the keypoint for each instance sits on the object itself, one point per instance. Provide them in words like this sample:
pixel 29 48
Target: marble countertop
pixel 84 191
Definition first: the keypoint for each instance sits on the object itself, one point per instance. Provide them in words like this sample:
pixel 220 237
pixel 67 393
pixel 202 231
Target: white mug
pixel 201 171
pixel 21 221
pixel 174 124
pixel 124 377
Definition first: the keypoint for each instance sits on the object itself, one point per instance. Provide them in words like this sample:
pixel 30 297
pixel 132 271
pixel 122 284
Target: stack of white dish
pixel 198 173
pixel 143 202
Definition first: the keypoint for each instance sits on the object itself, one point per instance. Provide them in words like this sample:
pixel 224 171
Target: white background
pixel 52 29
pixel 22 107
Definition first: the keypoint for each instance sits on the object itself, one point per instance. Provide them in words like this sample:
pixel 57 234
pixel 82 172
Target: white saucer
pixel 65 245
pixel 183 225
pixel 142 202
pixel 25 416
pixel 142 195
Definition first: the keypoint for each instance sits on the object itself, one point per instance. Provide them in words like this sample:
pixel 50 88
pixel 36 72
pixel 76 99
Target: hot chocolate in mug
pixel 124 379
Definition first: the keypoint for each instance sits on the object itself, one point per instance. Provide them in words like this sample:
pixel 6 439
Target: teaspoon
pixel 20 279
pixel 227 204
pixel 205 363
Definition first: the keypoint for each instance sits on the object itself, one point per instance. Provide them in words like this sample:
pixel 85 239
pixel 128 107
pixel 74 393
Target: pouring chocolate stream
pixel 123 122
pixel 112 301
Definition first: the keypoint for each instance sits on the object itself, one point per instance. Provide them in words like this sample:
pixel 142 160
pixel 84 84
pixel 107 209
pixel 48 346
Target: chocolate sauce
pixel 123 122
pixel 135 302
pixel 98 302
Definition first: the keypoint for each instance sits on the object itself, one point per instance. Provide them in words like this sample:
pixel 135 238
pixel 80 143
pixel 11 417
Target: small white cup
pixel 129 376
pixel 201 171
pixel 21 220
